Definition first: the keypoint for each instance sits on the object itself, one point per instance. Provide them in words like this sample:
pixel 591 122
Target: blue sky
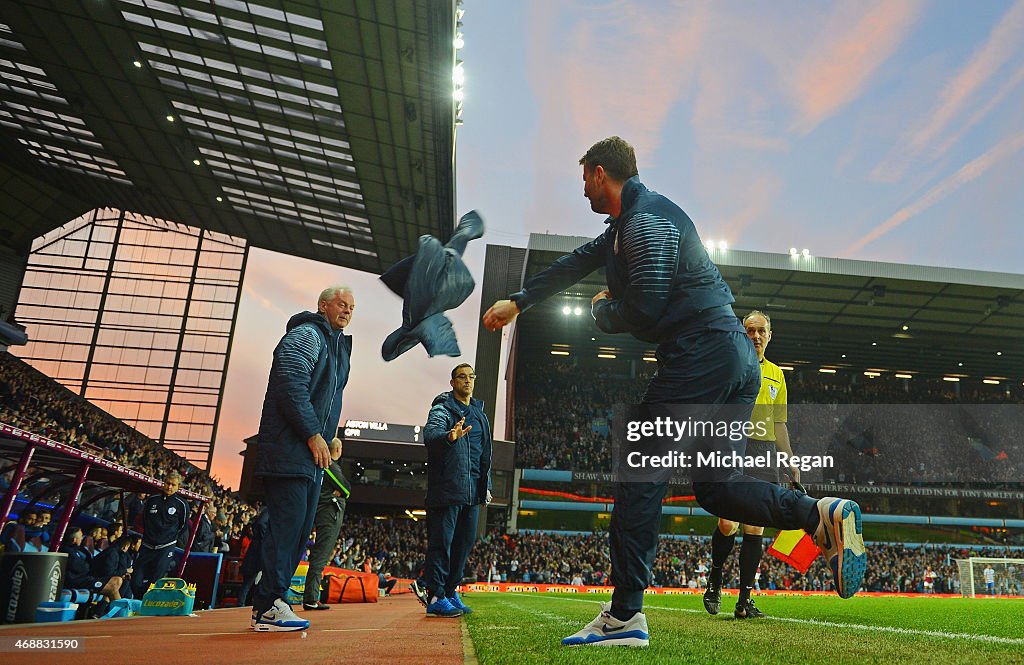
pixel 882 130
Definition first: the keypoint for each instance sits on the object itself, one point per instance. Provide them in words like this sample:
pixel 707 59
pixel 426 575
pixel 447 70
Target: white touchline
pixel 830 624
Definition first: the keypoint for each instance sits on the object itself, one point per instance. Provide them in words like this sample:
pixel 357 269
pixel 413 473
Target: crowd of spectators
pixel 395 547
pixel 34 402
pixel 562 421
pixel 878 431
pixel 563 413
pixel 583 559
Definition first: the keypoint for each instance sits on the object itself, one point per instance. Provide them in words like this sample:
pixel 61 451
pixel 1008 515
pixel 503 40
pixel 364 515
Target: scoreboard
pixel 374 431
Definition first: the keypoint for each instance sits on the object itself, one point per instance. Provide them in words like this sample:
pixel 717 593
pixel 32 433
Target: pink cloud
pixel 619 70
pixel 757 199
pixel 962 128
pixel 968 172
pixel 847 52
pixel 960 91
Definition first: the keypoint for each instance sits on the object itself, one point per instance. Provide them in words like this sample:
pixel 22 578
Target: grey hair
pixel 173 475
pixel 757 312
pixel 331 292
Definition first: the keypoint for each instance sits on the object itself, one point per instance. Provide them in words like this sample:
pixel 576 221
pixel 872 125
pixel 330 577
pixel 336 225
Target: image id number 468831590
pixel 23 644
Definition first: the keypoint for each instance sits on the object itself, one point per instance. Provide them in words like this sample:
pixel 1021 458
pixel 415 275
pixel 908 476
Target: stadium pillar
pixel 69 507
pixel 513 501
pixel 98 327
pixel 16 480
pixel 191 537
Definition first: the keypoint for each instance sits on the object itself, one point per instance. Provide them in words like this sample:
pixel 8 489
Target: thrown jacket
pixel 307 377
pixel 659 274
pixel 431 282
pixel 449 476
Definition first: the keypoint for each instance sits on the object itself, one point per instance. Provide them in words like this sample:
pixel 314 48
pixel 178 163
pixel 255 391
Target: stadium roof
pixel 63 463
pixel 319 129
pixel 882 316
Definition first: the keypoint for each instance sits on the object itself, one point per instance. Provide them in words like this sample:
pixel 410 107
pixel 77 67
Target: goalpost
pixel 991 577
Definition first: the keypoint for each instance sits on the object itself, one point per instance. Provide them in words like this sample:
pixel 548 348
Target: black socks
pixel 750 556
pixel 720 547
pixel 620 615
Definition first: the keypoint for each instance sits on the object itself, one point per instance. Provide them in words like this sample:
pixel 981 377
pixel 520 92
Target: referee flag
pixel 795 547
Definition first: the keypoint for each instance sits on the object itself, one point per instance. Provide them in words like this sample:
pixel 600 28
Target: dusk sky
pixel 882 130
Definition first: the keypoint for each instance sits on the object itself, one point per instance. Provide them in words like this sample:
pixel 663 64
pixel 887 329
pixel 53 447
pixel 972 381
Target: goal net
pixel 989 576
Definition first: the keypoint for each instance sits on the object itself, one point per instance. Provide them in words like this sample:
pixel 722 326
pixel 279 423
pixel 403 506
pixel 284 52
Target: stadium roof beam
pixel 323 131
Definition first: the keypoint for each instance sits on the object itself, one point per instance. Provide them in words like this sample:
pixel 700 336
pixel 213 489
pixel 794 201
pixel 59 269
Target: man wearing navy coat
pixel 458 439
pixel 300 414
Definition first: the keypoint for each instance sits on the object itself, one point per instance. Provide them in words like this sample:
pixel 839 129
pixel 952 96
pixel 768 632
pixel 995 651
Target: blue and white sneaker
pixel 279 618
pixel 840 535
pixel 606 630
pixel 442 607
pixel 458 604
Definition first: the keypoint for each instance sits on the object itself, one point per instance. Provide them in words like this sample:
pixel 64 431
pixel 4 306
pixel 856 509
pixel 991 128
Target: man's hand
pixel 500 315
pixel 490 497
pixel 321 453
pixel 335 448
pixel 793 472
pixel 457 431
pixel 603 295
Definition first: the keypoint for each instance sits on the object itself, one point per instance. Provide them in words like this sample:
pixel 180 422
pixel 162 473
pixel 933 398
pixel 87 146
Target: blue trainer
pixel 458 604
pixel 442 607
pixel 840 536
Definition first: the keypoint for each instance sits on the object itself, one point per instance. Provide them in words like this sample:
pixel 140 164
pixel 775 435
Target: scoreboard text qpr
pixel 369 430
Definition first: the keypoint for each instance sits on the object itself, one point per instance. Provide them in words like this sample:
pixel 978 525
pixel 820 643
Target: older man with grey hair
pixel 300 414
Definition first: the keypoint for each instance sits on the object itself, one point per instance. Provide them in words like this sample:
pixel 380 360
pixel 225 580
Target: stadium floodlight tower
pixel 991 576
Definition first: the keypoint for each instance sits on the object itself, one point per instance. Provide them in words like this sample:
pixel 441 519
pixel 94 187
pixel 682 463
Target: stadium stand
pixel 563 417
pixel 32 401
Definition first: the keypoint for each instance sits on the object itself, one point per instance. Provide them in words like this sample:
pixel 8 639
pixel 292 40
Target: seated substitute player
pixel 769 411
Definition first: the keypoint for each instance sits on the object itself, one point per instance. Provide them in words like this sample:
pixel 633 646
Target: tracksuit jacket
pixel 165 519
pixel 448 462
pixel 309 372
pixel 660 276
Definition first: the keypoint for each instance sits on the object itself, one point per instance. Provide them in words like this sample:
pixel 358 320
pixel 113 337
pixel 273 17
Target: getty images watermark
pixel 892 444
pixel 651 443
pixel 690 429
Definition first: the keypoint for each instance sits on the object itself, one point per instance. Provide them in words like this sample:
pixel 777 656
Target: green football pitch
pixel 528 627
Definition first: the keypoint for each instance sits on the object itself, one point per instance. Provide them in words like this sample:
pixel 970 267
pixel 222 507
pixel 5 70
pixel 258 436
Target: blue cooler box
pixel 55 611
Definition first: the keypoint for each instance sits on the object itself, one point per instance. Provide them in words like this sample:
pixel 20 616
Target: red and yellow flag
pixel 795 547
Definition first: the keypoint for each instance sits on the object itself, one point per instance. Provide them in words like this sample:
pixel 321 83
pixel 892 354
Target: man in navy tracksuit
pixel 164 523
pixel 300 414
pixel 663 288
pixel 458 440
